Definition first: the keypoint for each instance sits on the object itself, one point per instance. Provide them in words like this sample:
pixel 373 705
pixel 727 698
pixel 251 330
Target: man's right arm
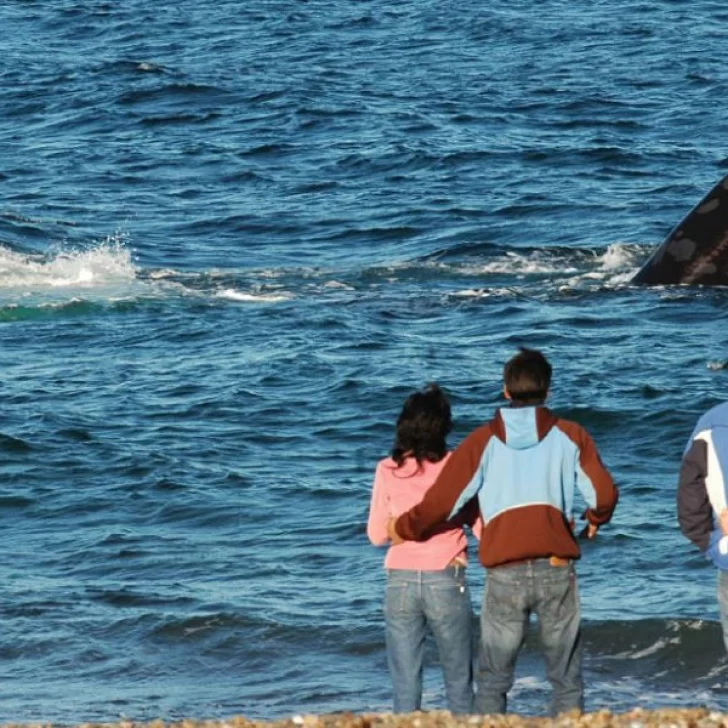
pixel 458 482
pixel 694 513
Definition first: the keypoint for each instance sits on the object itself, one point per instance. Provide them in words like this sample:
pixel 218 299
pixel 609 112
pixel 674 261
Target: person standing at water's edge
pixel 702 508
pixel 524 466
pixel 426 584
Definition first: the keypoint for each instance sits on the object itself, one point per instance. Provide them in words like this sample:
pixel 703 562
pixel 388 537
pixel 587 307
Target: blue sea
pixel 234 236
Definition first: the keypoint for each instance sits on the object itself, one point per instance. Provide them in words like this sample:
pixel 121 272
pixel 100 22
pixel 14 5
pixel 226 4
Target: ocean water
pixel 234 236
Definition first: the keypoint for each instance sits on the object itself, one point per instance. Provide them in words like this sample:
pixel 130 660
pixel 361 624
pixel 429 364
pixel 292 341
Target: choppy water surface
pixel 234 236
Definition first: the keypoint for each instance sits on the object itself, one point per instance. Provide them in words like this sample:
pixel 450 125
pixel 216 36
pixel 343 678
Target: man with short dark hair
pixel 524 467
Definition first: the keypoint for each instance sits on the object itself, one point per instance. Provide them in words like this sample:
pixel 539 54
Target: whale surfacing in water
pixel 696 250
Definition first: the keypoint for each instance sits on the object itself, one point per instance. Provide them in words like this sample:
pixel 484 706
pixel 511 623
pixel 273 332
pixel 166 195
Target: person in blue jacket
pixel 702 504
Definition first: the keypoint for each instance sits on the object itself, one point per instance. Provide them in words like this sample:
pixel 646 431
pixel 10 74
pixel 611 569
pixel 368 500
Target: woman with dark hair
pixel 426 585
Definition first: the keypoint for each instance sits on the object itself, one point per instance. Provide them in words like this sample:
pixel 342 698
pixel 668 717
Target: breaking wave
pixel 108 274
pixel 104 273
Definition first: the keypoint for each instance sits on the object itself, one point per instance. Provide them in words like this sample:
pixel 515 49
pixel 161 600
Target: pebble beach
pixel 637 718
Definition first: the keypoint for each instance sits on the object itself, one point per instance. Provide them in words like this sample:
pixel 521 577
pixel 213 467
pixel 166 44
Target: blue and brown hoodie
pixel 523 467
pixel 701 492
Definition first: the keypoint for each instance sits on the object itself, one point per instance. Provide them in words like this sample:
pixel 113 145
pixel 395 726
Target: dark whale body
pixel 696 251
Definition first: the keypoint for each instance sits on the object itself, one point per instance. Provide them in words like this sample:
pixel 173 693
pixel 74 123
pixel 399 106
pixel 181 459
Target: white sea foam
pixel 620 256
pixel 482 292
pixel 163 273
pixel 615 266
pixel 522 264
pixel 148 67
pixel 540 271
pixel 531 682
pixel 61 277
pixel 231 294
pixel 619 263
pixel 108 263
pixel 107 273
pixel 693 624
pixel 652 649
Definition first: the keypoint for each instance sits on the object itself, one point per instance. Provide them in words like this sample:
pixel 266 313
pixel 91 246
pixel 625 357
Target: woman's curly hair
pixel 423 427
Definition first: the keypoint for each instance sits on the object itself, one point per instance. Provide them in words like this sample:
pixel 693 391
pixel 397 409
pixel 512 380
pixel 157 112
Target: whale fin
pixel 696 250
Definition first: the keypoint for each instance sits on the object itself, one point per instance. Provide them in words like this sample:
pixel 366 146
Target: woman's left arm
pixel 378 511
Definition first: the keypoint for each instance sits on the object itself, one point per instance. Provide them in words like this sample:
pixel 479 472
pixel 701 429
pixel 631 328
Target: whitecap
pixel 109 262
pixel 619 256
pixel 231 294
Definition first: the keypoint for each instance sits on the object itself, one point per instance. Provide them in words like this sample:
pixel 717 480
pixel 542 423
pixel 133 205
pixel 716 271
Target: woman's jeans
pixel 512 593
pixel 440 600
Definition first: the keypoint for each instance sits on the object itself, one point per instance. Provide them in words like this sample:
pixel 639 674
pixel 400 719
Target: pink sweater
pixel 394 492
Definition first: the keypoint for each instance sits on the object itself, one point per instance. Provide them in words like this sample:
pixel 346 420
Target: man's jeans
pixel 723 603
pixel 440 600
pixel 512 593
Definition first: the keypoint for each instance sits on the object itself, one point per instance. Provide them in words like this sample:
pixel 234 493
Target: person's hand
pixel 724 521
pixel 394 537
pixel 589 531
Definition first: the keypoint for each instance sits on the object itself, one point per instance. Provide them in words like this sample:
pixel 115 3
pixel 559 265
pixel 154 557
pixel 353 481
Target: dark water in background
pixel 233 236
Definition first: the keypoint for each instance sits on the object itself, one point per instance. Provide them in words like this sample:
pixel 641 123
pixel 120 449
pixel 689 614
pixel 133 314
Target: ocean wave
pixel 76 280
pixel 675 640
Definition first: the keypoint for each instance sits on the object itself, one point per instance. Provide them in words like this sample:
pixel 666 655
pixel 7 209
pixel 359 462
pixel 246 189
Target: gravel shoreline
pixel 637 718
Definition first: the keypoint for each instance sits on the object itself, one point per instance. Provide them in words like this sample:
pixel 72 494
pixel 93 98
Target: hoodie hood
pixel 713 419
pixel 523 427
